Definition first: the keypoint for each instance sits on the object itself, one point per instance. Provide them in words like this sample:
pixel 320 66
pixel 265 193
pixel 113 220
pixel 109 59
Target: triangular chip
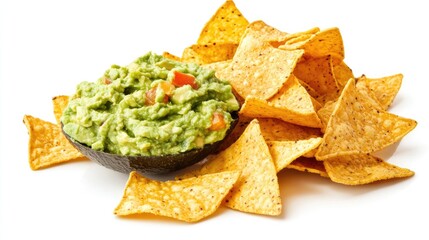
pixel 47 145
pixel 188 200
pixel 342 72
pixel 258 69
pixel 266 33
pixel 257 190
pixel 209 53
pixel 291 104
pixel 225 26
pixel 318 74
pixel 59 104
pixel 357 126
pixel 384 89
pixel 171 56
pixel 288 141
pixel 362 169
pixel 324 43
pixel 311 165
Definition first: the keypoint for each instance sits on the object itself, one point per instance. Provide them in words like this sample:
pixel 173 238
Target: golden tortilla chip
pixel 257 190
pixel 47 145
pixel 342 72
pixel 266 33
pixel 225 26
pixel 258 69
pixel 357 126
pixel 297 40
pixel 171 56
pixel 288 141
pixel 188 200
pixel 318 74
pixel 291 104
pixel 209 53
pixel 362 169
pixel 325 113
pixel 383 89
pixel 328 42
pixel 307 164
pixel 60 103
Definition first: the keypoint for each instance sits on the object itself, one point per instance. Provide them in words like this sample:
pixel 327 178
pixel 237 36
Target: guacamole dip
pixel 154 106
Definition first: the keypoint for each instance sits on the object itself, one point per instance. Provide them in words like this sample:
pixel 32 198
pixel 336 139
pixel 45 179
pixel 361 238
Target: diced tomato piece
pixel 181 79
pixel 218 122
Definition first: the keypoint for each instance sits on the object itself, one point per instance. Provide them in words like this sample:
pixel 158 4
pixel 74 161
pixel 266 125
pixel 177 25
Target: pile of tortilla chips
pixel 302 108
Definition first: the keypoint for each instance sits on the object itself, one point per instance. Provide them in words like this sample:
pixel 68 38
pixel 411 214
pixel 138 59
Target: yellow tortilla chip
pixel 308 164
pixel 47 145
pixel 288 141
pixel 171 56
pixel 362 169
pixel 342 72
pixel 291 104
pixel 266 33
pixel 188 200
pixel 209 53
pixel 258 69
pixel 356 126
pixel 318 74
pixel 225 26
pixel 257 190
pixel 325 113
pixel 384 89
pixel 60 103
pixel 324 43
pixel 297 40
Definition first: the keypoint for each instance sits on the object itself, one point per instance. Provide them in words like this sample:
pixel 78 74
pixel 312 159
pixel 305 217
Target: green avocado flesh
pixel 148 109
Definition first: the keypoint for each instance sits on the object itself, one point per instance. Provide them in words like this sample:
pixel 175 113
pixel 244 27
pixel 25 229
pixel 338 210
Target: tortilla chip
pixel 362 169
pixel 288 141
pixel 318 74
pixel 297 40
pixel 225 26
pixel 311 165
pixel 188 200
pixel 356 126
pixel 292 104
pixel 47 145
pixel 325 113
pixel 383 89
pixel 60 103
pixel 257 190
pixel 328 42
pixel 209 53
pixel 171 56
pixel 266 33
pixel 258 69
pixel 342 72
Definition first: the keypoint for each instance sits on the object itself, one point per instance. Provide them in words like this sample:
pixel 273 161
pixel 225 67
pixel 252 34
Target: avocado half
pixel 151 164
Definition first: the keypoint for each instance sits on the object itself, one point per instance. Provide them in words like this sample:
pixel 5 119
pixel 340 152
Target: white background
pixel 47 47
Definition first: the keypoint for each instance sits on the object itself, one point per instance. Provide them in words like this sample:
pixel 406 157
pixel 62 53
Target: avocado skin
pixel 150 164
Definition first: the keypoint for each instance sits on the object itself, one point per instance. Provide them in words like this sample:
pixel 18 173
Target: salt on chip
pixel 209 53
pixel 47 145
pixel 188 200
pixel 59 104
pixel 291 104
pixel 383 89
pixel 257 189
pixel 362 169
pixel 308 164
pixel 258 69
pixel 357 126
pixel 225 26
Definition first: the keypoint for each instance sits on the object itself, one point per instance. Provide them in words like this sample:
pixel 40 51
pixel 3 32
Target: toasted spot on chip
pixel 362 169
pixel 257 190
pixel 308 164
pixel 225 26
pixel 59 104
pixel 188 200
pixel 383 89
pixel 357 126
pixel 47 145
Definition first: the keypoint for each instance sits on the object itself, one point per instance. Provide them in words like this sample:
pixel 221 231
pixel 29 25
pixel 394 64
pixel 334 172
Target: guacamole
pixel 152 107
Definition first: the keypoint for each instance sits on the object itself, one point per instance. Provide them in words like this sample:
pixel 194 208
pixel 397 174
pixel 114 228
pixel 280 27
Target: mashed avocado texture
pixel 152 107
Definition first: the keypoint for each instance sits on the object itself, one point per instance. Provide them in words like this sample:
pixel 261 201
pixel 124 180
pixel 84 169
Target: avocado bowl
pixel 151 164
